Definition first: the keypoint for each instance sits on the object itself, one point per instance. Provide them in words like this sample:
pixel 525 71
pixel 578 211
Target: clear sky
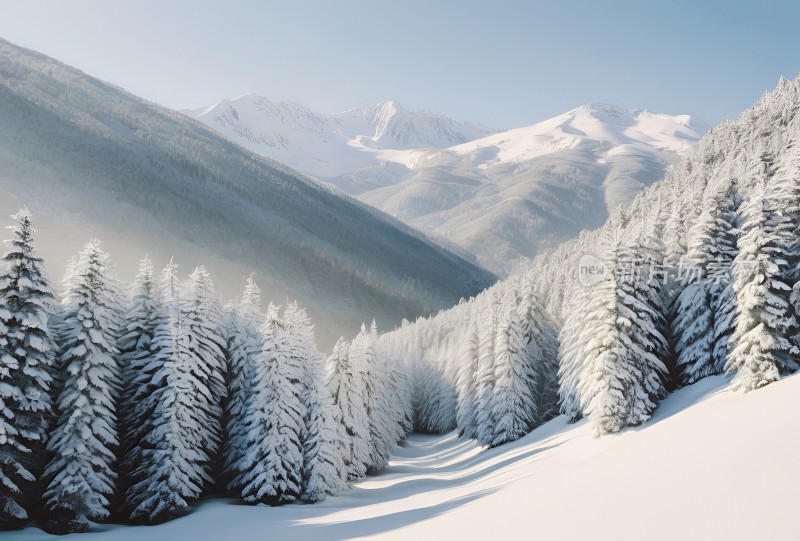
pixel 503 63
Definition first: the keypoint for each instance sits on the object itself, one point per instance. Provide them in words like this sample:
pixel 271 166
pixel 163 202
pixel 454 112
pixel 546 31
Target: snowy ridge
pixel 330 145
pixel 626 131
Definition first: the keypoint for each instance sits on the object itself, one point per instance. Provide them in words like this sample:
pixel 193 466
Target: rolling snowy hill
pixel 711 464
pixel 501 196
pixel 91 160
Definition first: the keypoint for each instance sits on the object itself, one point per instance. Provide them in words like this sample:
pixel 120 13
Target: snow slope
pixel 711 464
pixel 501 196
pixel 91 160
pixel 330 145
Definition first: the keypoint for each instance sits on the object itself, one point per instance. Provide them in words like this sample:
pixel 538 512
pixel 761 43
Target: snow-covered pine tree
pixel 385 408
pixel 362 356
pixel 642 295
pixel 465 408
pixel 704 310
pixel 322 464
pixel 273 464
pixel 540 339
pixel 201 321
pixel 513 401
pixel 622 376
pixel 81 473
pixel 244 344
pixel 484 375
pixel 760 348
pixel 171 461
pixel 723 298
pixel 346 386
pixel 136 365
pixel 26 364
pixel 571 353
pixel 693 319
pixel 787 199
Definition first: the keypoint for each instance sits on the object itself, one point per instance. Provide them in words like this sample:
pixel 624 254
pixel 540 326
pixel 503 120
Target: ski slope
pixel 711 464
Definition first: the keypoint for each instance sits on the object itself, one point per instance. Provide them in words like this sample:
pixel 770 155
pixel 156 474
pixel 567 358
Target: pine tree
pixel 705 309
pixel 346 387
pixel 465 409
pixel 362 356
pixel 571 354
pixel 26 364
pixel 172 463
pixel 694 319
pixel 761 346
pixel 244 345
pixel 136 364
pixel 514 401
pixel 723 298
pixel 540 340
pixel 201 321
pixel 322 464
pixel 81 474
pixel 484 375
pixel 273 463
pixel 622 376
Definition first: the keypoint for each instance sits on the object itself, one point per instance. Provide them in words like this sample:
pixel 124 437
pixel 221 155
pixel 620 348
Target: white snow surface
pixel 627 131
pixel 711 464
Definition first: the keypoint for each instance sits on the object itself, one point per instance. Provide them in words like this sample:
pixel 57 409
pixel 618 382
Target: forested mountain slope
pixel 501 196
pixel 697 277
pixel 91 160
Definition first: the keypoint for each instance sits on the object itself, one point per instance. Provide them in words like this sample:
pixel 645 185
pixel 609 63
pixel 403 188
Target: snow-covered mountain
pixel 501 196
pixel 91 160
pixel 508 196
pixel 325 145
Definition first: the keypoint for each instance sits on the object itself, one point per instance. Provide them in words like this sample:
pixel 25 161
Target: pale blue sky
pixel 503 63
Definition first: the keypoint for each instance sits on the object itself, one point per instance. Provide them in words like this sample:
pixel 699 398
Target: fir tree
pixel 346 387
pixel 26 364
pixel 761 346
pixel 540 340
pixel 273 464
pixel 465 409
pixel 136 364
pixel 322 464
pixel 484 375
pixel 514 402
pixel 81 474
pixel 244 345
pixel 201 321
pixel 622 376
